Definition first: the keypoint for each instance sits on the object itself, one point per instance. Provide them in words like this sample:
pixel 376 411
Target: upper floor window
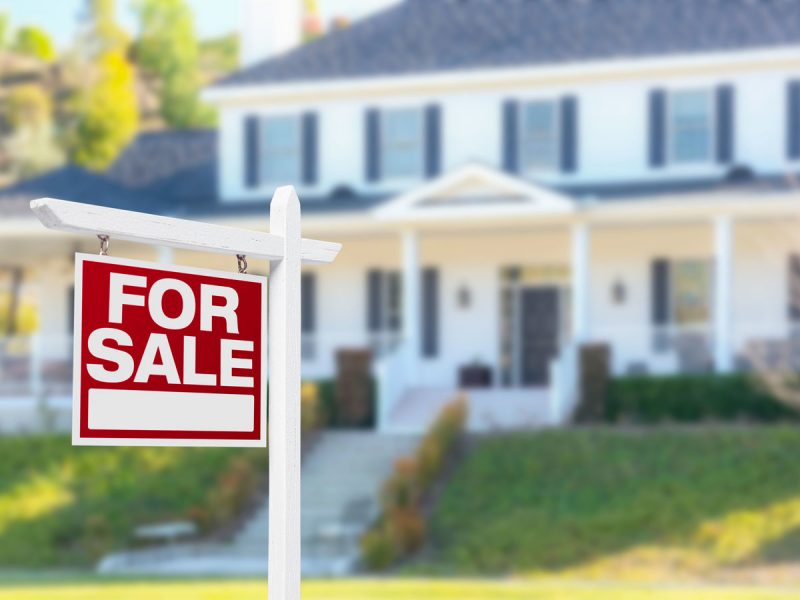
pixel 281 149
pixel 540 135
pixel 402 143
pixel 539 139
pixel 691 126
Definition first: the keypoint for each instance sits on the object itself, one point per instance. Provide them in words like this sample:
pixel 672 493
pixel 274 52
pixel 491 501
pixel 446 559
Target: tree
pixel 28 106
pixel 31 144
pixel 167 48
pixel 5 28
pixel 101 32
pixel 106 114
pixel 35 42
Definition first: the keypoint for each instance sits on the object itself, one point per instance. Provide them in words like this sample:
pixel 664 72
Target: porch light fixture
pixel 464 297
pixel 618 292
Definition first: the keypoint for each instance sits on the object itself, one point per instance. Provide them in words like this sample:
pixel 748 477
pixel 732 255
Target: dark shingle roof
pixel 165 172
pixel 423 36
pixel 69 183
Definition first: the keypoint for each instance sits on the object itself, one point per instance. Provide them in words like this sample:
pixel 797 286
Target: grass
pixel 389 589
pixel 662 505
pixel 65 506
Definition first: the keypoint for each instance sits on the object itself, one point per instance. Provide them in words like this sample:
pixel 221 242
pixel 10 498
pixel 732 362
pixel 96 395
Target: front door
pixel 539 333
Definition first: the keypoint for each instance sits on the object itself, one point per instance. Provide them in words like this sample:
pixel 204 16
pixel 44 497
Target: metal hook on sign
pixel 241 260
pixel 103 244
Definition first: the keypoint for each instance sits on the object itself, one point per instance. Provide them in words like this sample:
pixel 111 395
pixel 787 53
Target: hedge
pixel 693 398
pixel 400 530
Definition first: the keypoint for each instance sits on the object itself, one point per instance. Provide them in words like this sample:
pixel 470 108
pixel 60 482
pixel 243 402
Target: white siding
pixel 612 130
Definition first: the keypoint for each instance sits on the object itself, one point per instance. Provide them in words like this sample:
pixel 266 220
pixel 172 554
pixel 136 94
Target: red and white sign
pixel 167 355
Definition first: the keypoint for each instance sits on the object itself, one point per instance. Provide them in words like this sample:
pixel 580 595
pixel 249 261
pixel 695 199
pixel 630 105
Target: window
pixel 539 145
pixel 691 121
pixel 384 308
pixel 401 143
pixel 280 149
pixel 691 291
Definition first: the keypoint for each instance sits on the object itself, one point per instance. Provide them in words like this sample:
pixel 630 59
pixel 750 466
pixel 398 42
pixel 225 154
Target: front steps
pixel 491 410
pixel 341 480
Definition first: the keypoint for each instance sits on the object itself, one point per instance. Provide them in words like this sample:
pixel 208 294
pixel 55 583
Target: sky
pixel 212 17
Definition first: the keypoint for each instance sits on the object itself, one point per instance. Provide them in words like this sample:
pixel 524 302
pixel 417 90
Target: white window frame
pixel 671 135
pixel 556 164
pixel 383 143
pixel 263 145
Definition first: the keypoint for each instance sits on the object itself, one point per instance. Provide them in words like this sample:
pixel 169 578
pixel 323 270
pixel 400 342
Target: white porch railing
pixel 35 366
pixel 563 391
pixel 391 372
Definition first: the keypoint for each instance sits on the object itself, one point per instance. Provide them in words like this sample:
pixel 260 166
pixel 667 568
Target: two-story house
pixel 511 179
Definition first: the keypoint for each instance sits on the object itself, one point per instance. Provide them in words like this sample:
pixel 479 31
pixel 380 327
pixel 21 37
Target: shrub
pixel 693 398
pixel 402 524
pixel 310 407
pixel 378 548
pixel 401 490
pixel 407 527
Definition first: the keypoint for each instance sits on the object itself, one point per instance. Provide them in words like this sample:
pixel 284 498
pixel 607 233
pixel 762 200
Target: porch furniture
pixel 475 375
pixel 354 389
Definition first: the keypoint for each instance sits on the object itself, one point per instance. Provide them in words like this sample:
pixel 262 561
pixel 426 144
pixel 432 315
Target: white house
pixel 510 179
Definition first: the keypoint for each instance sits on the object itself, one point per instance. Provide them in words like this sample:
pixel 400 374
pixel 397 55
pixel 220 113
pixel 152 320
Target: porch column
pixel 723 280
pixel 411 303
pixel 580 282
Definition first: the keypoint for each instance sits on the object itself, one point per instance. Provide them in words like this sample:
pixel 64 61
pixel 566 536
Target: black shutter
pixel 793 288
pixel 657 128
pixel 569 134
pixel 793 121
pixel 374 300
pixel 511 136
pixel 659 287
pixel 433 140
pixel 430 312
pixel 251 151
pixel 726 129
pixel 310 148
pixel 372 145
pixel 308 302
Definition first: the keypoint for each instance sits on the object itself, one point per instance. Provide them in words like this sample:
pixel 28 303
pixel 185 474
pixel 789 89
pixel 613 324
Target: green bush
pixel 378 548
pixel 693 398
pixel 402 523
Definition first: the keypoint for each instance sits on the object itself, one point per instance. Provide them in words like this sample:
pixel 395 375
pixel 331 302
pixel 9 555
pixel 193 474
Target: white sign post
pixel 285 250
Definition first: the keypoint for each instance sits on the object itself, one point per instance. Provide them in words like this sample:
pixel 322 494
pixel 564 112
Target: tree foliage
pixel 35 42
pixel 107 114
pixel 168 48
pixel 28 106
pixel 101 32
pixel 5 30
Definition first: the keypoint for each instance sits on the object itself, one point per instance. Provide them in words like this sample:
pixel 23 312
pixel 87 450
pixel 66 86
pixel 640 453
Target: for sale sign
pixel 168 356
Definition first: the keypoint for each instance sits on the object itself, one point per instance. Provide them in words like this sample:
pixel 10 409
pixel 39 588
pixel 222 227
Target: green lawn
pixel 65 506
pixel 388 589
pixel 664 504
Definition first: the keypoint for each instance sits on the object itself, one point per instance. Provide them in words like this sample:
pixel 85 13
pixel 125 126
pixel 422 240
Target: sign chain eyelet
pixel 241 260
pixel 103 244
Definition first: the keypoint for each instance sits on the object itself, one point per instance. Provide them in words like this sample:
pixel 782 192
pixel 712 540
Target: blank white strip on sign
pixel 169 411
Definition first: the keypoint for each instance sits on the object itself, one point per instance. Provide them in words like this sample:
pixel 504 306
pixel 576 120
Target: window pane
pixel 281 150
pixel 691 126
pixel 539 137
pixel 401 143
pixel 691 291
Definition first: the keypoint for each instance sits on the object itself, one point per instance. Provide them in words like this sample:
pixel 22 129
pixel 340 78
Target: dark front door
pixel 539 333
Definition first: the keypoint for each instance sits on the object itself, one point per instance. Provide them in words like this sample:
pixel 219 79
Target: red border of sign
pixel 157 438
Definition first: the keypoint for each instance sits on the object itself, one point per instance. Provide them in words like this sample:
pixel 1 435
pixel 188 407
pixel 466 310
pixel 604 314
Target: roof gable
pixel 474 190
pixel 427 36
